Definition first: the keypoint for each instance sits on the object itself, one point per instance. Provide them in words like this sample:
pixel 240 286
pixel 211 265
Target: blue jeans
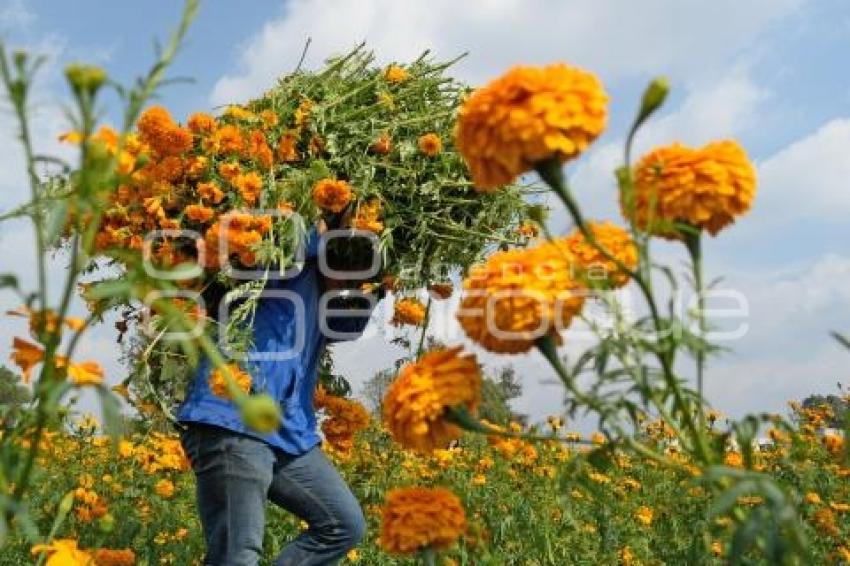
pixel 236 474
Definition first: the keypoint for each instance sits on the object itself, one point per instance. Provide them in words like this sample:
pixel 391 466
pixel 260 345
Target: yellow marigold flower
pixel 72 137
pixel 733 460
pixel 717 549
pixel 395 74
pixel 705 188
pixel 518 296
pixel 415 518
pixel 593 267
pixel 416 402
pixel 238 113
pixel 627 557
pixel 824 521
pixel 332 195
pixel 218 384
pixel 63 552
pixel 201 123
pixel 430 144
pixel 812 498
pixel 839 507
pixel 85 373
pixel 644 515
pixel 529 115
pixel 164 488
pixel 408 311
pixel 114 557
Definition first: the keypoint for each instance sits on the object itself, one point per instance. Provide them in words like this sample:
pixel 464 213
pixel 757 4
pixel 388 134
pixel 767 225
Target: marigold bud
pixel 85 78
pixel 261 413
pixel 653 97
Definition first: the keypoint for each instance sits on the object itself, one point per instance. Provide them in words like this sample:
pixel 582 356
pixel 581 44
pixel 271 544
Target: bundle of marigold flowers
pixel 356 142
pixel 366 148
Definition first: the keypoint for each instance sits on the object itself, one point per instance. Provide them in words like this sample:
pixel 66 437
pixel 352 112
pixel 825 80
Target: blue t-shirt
pixel 287 343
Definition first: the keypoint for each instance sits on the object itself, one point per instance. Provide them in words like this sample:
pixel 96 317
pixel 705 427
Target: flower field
pixel 527 503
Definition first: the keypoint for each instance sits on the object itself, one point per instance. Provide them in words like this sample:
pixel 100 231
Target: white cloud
pixel 15 15
pixel 615 39
pixel 787 353
pixel 810 176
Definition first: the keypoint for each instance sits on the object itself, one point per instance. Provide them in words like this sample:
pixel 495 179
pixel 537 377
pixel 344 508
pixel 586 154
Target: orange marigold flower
pixel 408 311
pixel 218 383
pixel 26 356
pixel 114 557
pixel 441 290
pixel 430 144
pixel 345 418
pixel 382 146
pixel 249 185
pixel 229 170
pixel 395 74
pixel 197 166
pixel 332 195
pixel 834 444
pixel 518 296
pixel 164 488
pixel 158 130
pixel 733 460
pixel 227 139
pixel 415 518
pixel 368 217
pixel 287 149
pixel 210 192
pixel 416 402
pixel 259 150
pixel 705 188
pixel 63 552
pixel 528 229
pixel 201 123
pixel 529 115
pixel 199 213
pixel 269 118
pixel 593 266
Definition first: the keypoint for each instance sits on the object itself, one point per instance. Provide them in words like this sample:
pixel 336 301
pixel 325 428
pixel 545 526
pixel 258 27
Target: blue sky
pixel 770 73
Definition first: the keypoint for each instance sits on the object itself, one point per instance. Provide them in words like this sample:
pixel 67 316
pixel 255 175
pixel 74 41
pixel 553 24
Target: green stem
pixel 693 241
pixel 429 556
pixel 550 171
pixel 424 329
